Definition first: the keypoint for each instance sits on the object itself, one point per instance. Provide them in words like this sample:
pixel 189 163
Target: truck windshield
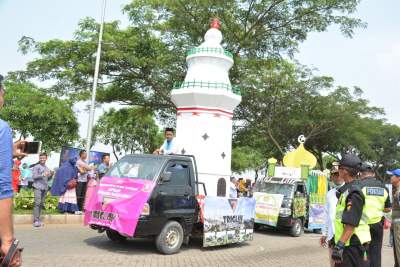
pixel 134 167
pixel 274 188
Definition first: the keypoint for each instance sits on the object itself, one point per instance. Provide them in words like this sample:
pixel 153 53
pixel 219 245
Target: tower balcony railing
pixel 215 50
pixel 210 85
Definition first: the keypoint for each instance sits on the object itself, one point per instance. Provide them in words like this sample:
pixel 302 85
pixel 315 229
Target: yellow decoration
pixel 272 160
pixel 300 156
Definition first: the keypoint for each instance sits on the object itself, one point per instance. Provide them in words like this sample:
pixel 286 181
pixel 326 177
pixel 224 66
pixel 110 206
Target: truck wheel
pixel 297 229
pixel 115 236
pixel 170 239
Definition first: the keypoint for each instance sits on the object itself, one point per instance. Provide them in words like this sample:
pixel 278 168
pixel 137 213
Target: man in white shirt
pixel 330 212
pixel 170 145
pixel 83 170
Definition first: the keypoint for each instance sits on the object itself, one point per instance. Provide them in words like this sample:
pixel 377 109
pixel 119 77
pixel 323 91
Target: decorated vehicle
pixel 292 197
pixel 158 197
pixel 281 203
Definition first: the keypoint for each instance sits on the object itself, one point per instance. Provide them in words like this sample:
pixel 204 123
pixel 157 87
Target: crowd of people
pixel 240 187
pixel 73 182
pixel 354 207
pixel 354 214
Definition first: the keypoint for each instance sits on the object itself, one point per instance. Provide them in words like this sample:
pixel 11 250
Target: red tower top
pixel 216 24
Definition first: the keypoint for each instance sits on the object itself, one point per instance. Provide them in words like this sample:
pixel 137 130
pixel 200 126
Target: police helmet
pixel 350 161
pixel 366 167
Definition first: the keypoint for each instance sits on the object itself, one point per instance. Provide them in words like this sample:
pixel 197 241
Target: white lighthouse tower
pixel 205 102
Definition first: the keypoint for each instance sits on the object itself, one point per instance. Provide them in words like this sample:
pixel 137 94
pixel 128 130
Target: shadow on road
pixel 131 247
pixel 146 246
pixel 277 232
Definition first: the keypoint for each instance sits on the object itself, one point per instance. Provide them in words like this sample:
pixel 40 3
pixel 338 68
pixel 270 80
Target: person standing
pixel 104 165
pixel 16 175
pixel 327 237
pixel 351 228
pixel 64 185
pixel 40 175
pixel 170 145
pixel 83 169
pixel 395 179
pixel 377 200
pixel 8 150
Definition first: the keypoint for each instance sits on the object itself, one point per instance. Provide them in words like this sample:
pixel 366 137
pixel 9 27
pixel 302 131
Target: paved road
pixel 74 245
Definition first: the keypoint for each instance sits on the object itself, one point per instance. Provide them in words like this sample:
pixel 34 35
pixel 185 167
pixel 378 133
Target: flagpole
pixel 95 80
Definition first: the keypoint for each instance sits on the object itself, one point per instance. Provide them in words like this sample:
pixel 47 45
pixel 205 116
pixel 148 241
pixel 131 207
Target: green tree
pixel 382 145
pixel 282 100
pixel 137 68
pixel 251 28
pixel 141 62
pixel 31 113
pixel 128 130
pixel 246 158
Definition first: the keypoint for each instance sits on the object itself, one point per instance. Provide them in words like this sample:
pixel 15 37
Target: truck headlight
pixel 145 210
pixel 284 212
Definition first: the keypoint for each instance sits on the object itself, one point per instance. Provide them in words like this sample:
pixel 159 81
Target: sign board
pixel 117 203
pixel 316 218
pixel 285 172
pixel 228 220
pixel 278 180
pixel 267 208
pixel 72 152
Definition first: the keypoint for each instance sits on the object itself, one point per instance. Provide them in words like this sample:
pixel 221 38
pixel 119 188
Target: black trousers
pixel 375 246
pixel 353 256
pixel 396 262
pixel 80 194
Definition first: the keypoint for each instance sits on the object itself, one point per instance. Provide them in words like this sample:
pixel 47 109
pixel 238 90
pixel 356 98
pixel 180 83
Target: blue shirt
pixel 6 160
pixel 103 168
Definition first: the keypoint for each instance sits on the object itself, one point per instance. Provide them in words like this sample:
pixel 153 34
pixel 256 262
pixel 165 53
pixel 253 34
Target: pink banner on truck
pixel 117 203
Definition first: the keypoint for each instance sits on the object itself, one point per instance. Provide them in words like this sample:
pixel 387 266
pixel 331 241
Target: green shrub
pixel 25 200
pixel 51 202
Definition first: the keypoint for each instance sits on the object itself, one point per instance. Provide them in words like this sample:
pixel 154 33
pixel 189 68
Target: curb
pixel 50 219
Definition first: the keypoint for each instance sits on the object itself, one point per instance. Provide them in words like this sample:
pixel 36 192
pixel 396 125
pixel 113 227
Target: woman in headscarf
pixel 63 186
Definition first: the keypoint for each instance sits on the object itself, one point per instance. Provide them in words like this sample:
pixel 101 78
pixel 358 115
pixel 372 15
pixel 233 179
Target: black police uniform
pixel 353 252
pixel 376 229
pixel 353 255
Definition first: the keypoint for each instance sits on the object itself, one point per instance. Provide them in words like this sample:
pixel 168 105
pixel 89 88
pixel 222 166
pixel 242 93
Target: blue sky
pixel 370 60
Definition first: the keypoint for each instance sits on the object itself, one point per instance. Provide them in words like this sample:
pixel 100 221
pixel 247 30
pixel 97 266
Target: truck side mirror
pixel 166 176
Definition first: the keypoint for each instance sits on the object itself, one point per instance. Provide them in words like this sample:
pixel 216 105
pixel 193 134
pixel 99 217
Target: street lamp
pixel 95 79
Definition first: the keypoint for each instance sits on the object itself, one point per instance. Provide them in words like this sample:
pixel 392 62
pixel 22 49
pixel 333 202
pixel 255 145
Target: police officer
pixel 351 228
pixel 395 179
pixel 377 202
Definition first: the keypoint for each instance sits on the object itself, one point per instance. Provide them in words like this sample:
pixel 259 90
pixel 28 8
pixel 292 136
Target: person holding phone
pixel 8 150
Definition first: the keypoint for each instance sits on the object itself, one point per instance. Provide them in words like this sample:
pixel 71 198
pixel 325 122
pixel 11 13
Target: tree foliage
pixel 31 113
pixel 141 62
pixel 246 158
pixel 281 99
pixel 251 28
pixel 128 130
